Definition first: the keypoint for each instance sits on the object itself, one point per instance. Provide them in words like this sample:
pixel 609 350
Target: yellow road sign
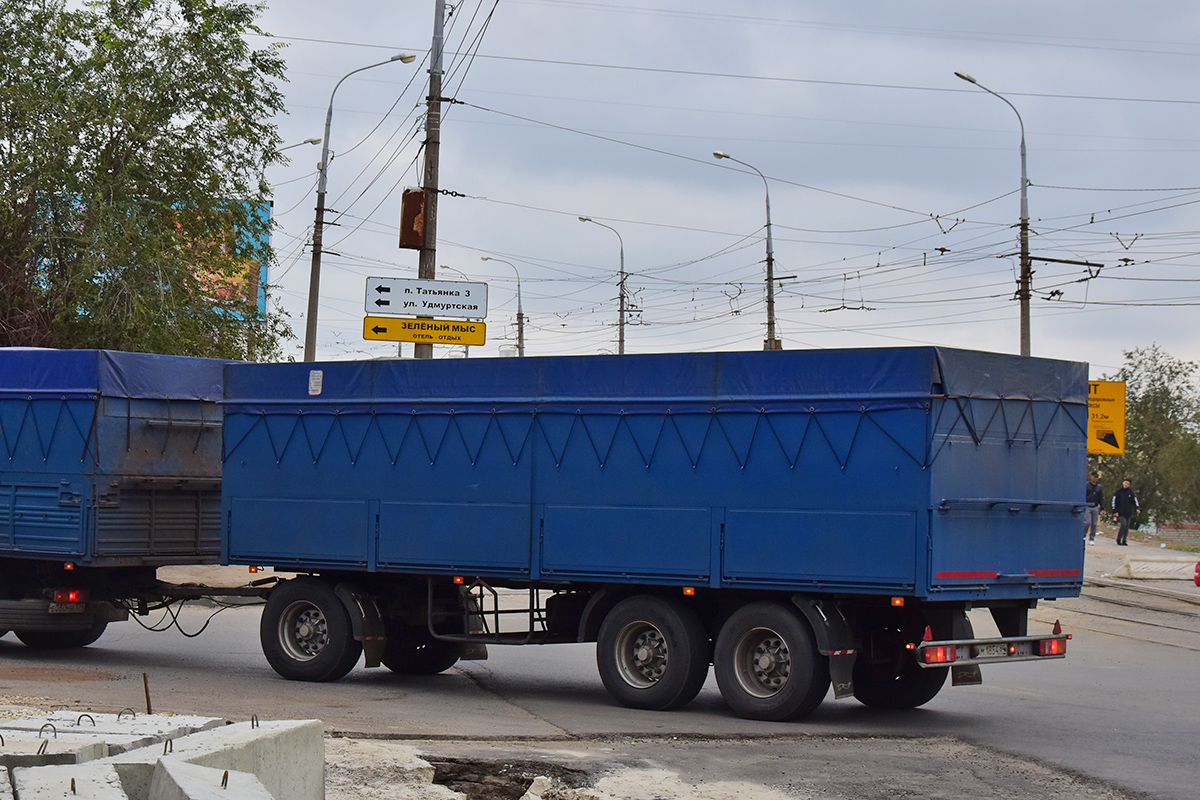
pixel 433 331
pixel 1106 417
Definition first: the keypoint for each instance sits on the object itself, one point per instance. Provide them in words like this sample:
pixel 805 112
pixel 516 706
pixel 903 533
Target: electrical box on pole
pixel 412 219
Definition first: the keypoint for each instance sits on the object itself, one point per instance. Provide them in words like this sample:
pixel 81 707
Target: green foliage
pixel 1162 451
pixel 133 139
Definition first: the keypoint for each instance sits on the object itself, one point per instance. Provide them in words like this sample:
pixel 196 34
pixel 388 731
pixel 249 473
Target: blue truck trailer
pixel 791 519
pixel 110 467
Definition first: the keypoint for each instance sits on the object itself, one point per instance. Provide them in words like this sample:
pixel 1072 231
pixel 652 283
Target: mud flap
pixel 835 639
pixel 474 651
pixel 365 621
pixel 953 623
pixel 966 675
pixel 841 674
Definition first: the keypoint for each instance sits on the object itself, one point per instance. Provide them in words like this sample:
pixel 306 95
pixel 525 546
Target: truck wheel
pixel 412 651
pixel 652 653
pixel 62 640
pixel 767 664
pixel 886 673
pixel 306 633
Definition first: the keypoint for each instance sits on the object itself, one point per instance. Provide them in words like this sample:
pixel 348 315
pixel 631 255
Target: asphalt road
pixel 1117 718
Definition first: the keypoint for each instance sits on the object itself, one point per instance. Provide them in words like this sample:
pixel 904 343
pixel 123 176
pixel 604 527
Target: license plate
pixel 991 650
pixel 67 608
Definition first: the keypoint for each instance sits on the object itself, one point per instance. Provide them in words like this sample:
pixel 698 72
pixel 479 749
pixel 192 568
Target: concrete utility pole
pixel 426 268
pixel 1025 282
pixel 314 278
pixel 771 342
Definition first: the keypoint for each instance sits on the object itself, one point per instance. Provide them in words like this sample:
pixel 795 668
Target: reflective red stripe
pixel 966 574
pixel 1054 573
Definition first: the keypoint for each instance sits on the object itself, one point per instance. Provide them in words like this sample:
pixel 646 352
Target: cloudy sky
pixel 894 185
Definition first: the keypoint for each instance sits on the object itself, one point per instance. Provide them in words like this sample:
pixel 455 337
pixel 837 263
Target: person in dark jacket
pixel 1125 505
pixel 1095 502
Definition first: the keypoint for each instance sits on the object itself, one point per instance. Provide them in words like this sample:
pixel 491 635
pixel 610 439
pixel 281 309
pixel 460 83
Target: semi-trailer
pixel 790 519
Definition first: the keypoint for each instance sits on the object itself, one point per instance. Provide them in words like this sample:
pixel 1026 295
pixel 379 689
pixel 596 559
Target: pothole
pixel 499 780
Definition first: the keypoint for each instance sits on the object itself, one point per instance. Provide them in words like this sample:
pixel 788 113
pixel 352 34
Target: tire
pixel 306 633
pixel 62 640
pixel 886 673
pixel 652 653
pixel 412 651
pixel 767 664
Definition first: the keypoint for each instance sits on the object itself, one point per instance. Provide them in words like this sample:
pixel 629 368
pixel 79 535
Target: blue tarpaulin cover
pixel 879 378
pixel 109 373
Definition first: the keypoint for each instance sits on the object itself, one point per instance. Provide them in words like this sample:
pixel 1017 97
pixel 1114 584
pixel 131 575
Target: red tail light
pixel 1052 647
pixel 940 655
pixel 70 595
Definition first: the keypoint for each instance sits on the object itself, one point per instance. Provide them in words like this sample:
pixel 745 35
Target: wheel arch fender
pixel 835 639
pixel 366 623
pixel 597 608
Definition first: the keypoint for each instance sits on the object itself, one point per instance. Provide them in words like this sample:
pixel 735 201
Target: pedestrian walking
pixel 1095 501
pixel 1125 505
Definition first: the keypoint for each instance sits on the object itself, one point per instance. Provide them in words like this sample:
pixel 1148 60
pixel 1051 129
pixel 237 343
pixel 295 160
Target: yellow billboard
pixel 1106 417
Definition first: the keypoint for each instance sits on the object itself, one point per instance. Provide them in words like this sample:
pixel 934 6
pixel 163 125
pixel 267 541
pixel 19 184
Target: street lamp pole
pixel 1024 285
pixel 620 286
pixel 520 315
pixel 314 280
pixel 771 342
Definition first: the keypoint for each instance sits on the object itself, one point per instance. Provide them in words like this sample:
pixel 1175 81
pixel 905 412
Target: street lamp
pixel 466 347
pixel 314 281
pixel 771 342
pixel 620 286
pixel 520 315
pixel 1024 285
pixel 313 140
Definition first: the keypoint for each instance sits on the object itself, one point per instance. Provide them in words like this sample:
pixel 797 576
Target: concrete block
pixel 94 781
pixel 6 790
pixel 178 780
pixel 75 738
pixel 28 749
pixel 288 757
pixel 1158 568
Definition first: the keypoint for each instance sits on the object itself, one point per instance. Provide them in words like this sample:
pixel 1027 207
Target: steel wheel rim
pixel 303 631
pixel 641 654
pixel 762 663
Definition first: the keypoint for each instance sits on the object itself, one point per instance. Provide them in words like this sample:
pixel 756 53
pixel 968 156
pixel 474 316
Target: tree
pixel 1162 432
pixel 133 139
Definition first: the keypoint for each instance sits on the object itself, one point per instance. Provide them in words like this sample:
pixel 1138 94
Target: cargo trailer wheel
pixel 767 664
pixel 412 651
pixel 306 633
pixel 886 673
pixel 62 640
pixel 652 653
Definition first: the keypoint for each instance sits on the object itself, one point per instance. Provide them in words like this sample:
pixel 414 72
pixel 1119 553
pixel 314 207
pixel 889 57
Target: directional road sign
pixel 417 296
pixel 433 331
pixel 1106 417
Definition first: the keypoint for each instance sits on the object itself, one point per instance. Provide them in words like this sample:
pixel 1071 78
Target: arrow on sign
pixel 381 302
pixel 382 289
pixel 1109 438
pixel 379 329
